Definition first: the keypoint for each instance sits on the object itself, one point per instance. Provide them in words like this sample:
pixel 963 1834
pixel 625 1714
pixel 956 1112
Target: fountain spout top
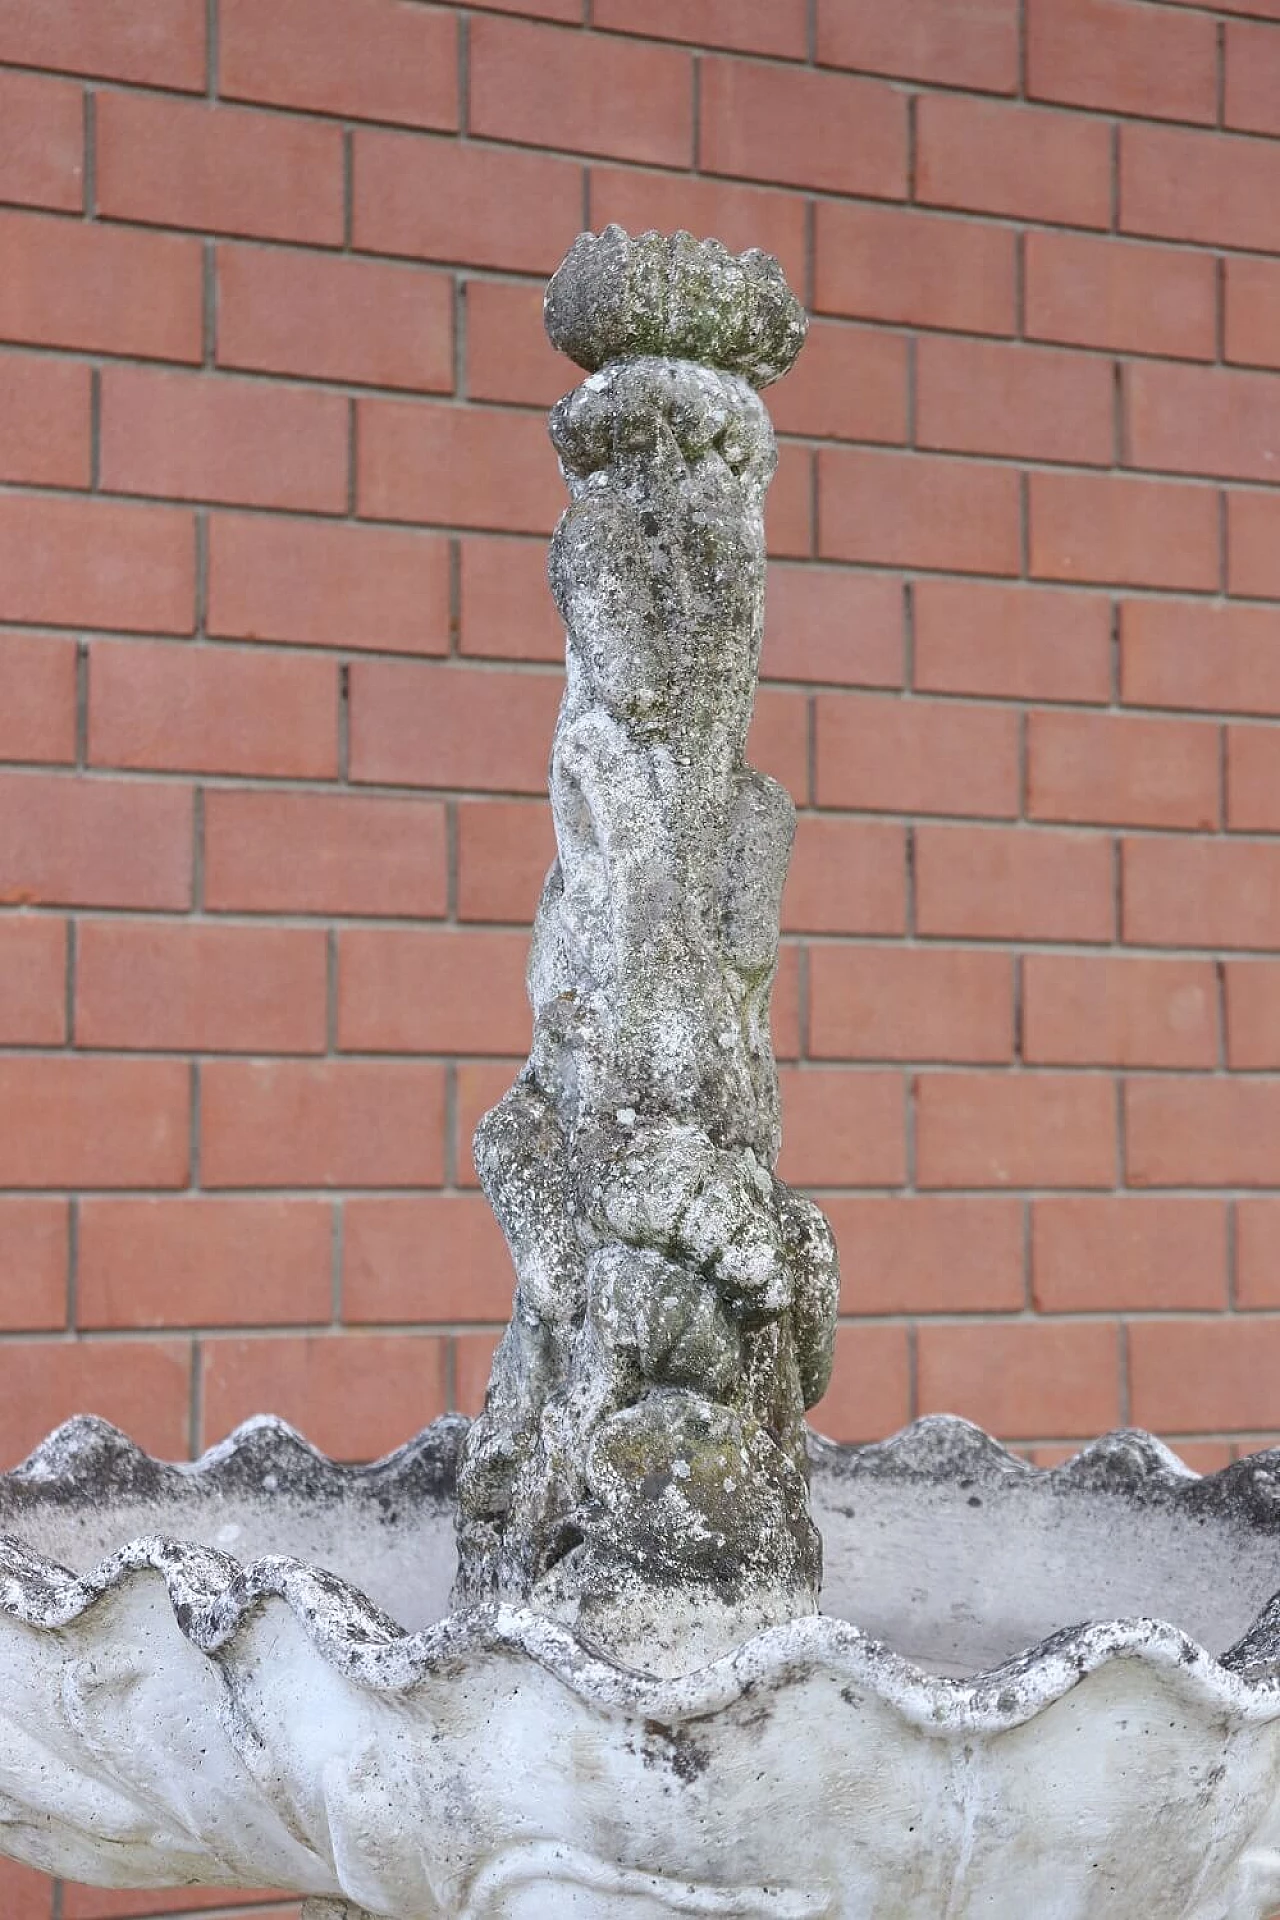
pixel 674 297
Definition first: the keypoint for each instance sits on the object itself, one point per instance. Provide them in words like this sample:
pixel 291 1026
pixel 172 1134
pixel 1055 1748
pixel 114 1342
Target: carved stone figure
pixel 640 1463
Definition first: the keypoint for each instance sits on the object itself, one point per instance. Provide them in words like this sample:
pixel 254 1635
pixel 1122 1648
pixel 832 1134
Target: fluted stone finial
pixel 640 1465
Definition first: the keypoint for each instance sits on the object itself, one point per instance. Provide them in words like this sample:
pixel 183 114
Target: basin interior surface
pixel 938 1542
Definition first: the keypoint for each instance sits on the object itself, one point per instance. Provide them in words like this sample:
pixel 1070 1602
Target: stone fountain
pixel 583 1658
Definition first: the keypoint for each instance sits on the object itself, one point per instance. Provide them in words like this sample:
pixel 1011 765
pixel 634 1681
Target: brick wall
pixel 278 673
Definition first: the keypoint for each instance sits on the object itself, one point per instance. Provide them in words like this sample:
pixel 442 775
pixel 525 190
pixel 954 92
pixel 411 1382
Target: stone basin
pixel 1029 1692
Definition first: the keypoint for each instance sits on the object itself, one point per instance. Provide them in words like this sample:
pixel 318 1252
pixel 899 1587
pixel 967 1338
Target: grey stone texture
pixel 675 1302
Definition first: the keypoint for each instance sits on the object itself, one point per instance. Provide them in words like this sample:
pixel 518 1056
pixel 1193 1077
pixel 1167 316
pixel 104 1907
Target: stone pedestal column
pixel 639 1468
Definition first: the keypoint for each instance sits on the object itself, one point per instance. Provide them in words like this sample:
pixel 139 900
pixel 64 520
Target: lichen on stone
pixel 675 1304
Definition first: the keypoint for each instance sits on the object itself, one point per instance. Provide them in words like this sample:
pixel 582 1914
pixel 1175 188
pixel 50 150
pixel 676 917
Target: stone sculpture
pixel 249 1672
pixel 640 1463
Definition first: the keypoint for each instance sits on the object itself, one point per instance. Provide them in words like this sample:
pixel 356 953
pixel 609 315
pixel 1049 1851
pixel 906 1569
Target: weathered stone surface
pixel 675 1310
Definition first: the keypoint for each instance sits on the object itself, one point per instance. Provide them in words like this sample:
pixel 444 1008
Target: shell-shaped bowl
pixel 1048 1694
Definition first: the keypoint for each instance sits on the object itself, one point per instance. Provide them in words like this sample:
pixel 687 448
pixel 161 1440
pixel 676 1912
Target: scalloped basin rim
pixel 212 1593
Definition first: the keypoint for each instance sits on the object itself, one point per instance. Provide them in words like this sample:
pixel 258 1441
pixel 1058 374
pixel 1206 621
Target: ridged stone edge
pixel 213 1595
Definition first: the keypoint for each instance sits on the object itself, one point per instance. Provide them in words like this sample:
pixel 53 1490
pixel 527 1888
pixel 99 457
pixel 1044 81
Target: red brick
pixel 33 1278
pixel 1150 533
pixel 185 1263
pixel 504 850
pixel 903 1254
pixel 1252 97
pixel 41 142
pixel 1097 1255
pixel 77 1122
pixel 196 436
pixel 506 608
pixel 333 1123
pixel 1190 1374
pixel 1253 544
pixel 100 289
pixel 93 843
pixel 980 396
pixel 457 467
pixel 778 27
pixel 216 710
pixel 212 710
pixel 834 625
pixel 1023 643
pixel 44 404
pixel 740 216
pixel 870 1391
pixel 1022 1378
pixel 435 199
pixel 472 1364
pixel 1123 58
pixel 93 563
pixel 322 853
pixel 1199 186
pixel 1252 328
pixel 157 43
pixel 1215 657
pixel 905 509
pixel 1109 768
pixel 33 983
pixel 1201 893
pixel 37 698
pixel 366 588
pixel 778 743
pixel 1087 1010
pixel 924 40
pixel 444 727
pixel 335 319
pixel 432 992
pixel 480 1084
pixel 508 354
pixel 1198 420
pixel 143 1386
pixel 916 756
pixel 183 163
pixel 803 129
pixel 433 1257
pixel 843 1127
pixel 1027 162
pixel 1203 1132
pixel 909 1003
pixel 1134 298
pixel 24 1893
pixel 847 876
pixel 367 59
pixel 1253 1013
pixel 1000 883
pixel 1253 780
pixel 188 987
pixel 788 518
pixel 1015 1130
pixel 880 263
pixel 356 1396
pixel 850 384
pixel 546 87
pixel 1257 1270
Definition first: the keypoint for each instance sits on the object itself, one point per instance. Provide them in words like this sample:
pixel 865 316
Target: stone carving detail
pixel 675 1305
